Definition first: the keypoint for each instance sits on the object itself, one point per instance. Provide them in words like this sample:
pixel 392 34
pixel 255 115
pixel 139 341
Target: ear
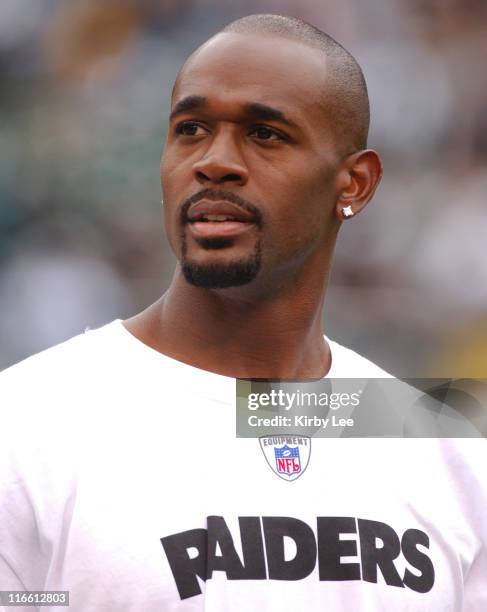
pixel 356 182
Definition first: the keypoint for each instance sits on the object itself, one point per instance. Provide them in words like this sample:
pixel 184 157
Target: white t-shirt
pixel 122 482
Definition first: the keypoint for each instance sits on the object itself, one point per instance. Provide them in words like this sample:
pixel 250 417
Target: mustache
pixel 217 195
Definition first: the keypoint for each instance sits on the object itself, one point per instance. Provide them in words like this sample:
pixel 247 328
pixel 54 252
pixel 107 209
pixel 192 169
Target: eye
pixel 189 128
pixel 265 133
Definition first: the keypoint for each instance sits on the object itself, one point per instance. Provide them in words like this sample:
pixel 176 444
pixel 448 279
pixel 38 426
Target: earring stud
pixel 347 211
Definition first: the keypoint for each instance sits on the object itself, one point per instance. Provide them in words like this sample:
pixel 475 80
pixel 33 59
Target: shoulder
pixel 60 366
pixel 346 363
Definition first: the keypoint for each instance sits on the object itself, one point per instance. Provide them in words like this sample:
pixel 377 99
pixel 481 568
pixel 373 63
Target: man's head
pixel 265 147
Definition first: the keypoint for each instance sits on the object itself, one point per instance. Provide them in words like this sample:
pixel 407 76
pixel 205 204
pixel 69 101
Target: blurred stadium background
pixel 85 88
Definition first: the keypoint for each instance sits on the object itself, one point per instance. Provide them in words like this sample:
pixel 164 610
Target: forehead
pixel 244 68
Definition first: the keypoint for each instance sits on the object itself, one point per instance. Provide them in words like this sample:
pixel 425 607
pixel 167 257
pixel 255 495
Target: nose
pixel 222 162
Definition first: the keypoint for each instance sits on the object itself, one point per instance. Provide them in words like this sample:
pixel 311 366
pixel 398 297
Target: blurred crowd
pixel 84 90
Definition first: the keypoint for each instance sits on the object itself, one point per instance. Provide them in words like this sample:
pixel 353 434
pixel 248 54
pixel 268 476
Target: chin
pixel 221 275
pixel 219 270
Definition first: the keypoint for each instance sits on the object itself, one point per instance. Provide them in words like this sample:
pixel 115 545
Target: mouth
pixel 210 229
pixel 209 218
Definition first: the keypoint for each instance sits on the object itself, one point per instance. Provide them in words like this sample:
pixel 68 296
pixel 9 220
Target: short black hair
pixel 346 99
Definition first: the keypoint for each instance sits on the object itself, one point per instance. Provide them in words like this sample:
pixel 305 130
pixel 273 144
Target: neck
pixel 234 333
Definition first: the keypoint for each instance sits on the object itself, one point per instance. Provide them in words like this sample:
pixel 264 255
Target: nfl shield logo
pixel 287 460
pixel 287 455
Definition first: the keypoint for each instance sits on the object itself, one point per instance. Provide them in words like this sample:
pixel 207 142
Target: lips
pixel 218 212
pixel 219 219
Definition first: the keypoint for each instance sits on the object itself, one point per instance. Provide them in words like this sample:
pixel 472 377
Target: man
pixel 121 477
pixel 265 157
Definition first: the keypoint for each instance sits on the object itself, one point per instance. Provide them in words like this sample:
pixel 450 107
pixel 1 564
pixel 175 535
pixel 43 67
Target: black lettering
pixel 185 569
pixel 252 548
pixel 379 547
pixel 331 548
pixel 229 561
pixel 275 529
pixel 409 542
pixel 383 557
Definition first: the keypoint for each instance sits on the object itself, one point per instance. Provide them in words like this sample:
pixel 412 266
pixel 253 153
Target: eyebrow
pixel 267 113
pixel 255 110
pixel 188 104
